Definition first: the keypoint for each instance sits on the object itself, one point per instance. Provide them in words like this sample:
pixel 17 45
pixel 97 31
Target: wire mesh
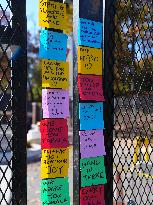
pixel 133 103
pixel 12 51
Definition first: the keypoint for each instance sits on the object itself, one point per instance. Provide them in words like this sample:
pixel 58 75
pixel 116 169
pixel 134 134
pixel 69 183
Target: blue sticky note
pixel 90 33
pixel 91 116
pixel 53 45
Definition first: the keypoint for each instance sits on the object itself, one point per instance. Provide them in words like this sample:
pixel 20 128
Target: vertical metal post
pixel 76 140
pixel 19 92
pixel 109 40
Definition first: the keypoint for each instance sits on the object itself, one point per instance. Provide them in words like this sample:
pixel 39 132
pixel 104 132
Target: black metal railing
pixel 13 82
pixel 133 102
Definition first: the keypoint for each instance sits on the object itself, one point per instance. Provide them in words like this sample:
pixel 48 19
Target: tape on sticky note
pixel 89 60
pixel 52 14
pixel 92 171
pixel 55 74
pixel 54 163
pixel 53 45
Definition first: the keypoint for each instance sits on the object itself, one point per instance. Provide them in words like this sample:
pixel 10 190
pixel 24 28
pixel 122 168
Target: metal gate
pixel 13 84
pixel 130 36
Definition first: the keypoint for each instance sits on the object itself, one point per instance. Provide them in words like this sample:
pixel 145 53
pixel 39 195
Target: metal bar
pixel 109 39
pixel 76 138
pixel 19 90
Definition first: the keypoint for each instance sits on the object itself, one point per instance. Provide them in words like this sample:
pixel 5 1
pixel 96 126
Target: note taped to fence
pixel 55 191
pixel 92 143
pixel 92 171
pixel 90 87
pixel 53 45
pixel 52 14
pixel 55 103
pixel 54 163
pixel 54 133
pixel 89 33
pixel 92 195
pixel 91 116
pixel 55 74
pixel 89 60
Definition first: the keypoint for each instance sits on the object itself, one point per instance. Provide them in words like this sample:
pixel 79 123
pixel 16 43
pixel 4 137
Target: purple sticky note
pixel 92 143
pixel 55 103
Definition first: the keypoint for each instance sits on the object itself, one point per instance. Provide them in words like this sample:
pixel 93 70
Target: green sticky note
pixel 92 171
pixel 55 191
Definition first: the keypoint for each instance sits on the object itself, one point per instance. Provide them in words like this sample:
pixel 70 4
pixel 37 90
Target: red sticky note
pixel 54 133
pixel 93 195
pixel 90 87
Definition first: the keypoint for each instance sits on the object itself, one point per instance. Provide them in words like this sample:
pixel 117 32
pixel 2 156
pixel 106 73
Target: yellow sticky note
pixel 55 74
pixel 54 163
pixel 52 14
pixel 89 60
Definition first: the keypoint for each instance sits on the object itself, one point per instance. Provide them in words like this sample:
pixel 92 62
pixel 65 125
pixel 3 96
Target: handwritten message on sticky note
pixel 54 133
pixel 53 45
pixel 89 60
pixel 92 195
pixel 92 143
pixel 90 87
pixel 55 103
pixel 91 116
pixel 92 171
pixel 55 74
pixel 54 163
pixel 89 33
pixel 52 14
pixel 55 191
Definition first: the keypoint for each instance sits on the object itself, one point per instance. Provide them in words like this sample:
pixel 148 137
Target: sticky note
pixel 91 116
pixel 92 143
pixel 89 33
pixel 54 133
pixel 53 45
pixel 54 163
pixel 92 171
pixel 92 195
pixel 55 74
pixel 89 60
pixel 90 87
pixel 52 14
pixel 55 191
pixel 55 103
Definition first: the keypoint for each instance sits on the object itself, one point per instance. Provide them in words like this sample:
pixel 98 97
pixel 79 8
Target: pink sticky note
pixel 93 195
pixel 55 103
pixel 92 143
pixel 90 87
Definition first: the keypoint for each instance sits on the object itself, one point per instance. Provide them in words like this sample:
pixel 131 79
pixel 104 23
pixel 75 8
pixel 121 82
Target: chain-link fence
pixel 12 102
pixel 133 102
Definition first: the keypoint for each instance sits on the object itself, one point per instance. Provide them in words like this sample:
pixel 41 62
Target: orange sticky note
pixel 52 14
pixel 89 60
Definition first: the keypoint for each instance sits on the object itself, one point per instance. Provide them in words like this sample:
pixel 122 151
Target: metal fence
pixel 13 84
pixel 133 102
